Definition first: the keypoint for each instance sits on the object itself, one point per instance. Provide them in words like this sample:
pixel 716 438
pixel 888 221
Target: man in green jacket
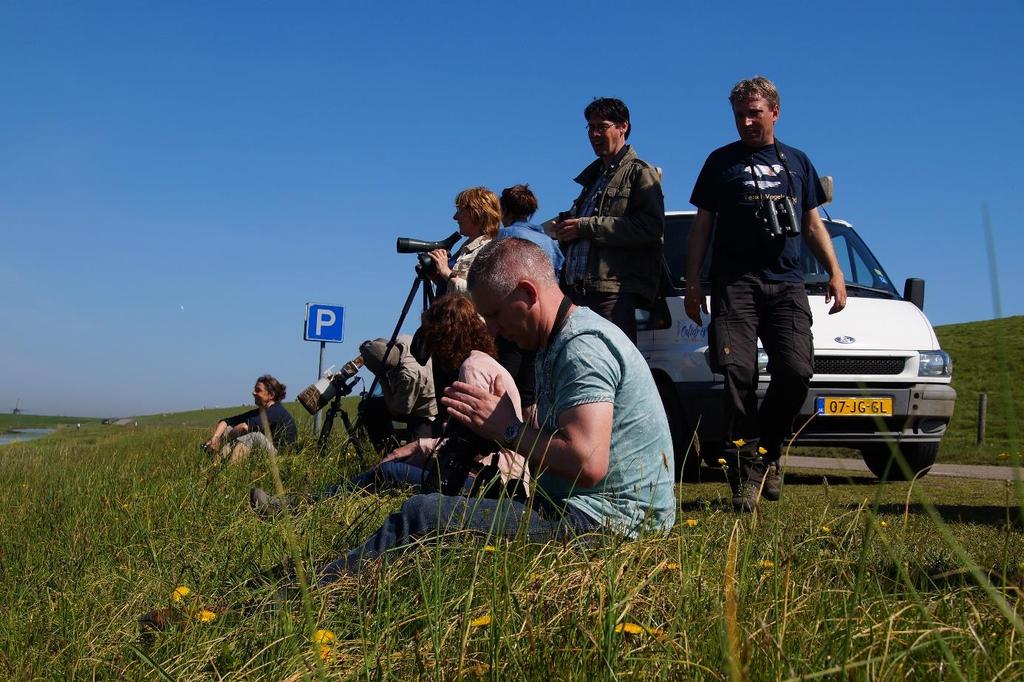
pixel 612 235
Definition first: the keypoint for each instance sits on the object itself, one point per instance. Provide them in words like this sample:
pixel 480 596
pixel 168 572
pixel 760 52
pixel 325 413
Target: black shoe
pixel 264 504
pixel 772 489
pixel 745 482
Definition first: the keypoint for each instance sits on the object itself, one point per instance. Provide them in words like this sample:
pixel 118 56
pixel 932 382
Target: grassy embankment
pixel 988 357
pixel 101 524
pixel 35 421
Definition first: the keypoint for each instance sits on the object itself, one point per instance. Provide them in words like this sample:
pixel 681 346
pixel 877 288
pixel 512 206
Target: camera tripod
pixel 428 299
pixel 354 430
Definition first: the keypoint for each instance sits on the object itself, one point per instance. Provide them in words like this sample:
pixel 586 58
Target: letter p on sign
pixel 324 318
pixel 324 323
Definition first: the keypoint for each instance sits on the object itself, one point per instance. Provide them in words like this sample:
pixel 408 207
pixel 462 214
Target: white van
pixel 880 379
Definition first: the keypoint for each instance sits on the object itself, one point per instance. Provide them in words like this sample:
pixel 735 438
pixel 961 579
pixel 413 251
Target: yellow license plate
pixel 847 406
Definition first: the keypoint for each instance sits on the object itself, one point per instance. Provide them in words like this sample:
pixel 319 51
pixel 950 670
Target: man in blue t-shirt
pixel 600 442
pixel 761 198
pixel 602 446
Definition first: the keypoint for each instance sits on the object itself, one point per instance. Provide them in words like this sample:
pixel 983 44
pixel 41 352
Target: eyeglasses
pixel 599 127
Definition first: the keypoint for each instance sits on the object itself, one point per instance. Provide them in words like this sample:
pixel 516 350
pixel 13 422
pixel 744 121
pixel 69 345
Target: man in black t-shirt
pixel 760 196
pixel 240 433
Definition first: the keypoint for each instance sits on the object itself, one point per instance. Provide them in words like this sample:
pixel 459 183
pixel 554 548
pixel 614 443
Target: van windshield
pixel 864 274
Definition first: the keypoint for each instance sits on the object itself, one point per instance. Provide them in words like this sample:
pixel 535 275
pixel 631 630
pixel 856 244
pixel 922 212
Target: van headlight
pixel 935 363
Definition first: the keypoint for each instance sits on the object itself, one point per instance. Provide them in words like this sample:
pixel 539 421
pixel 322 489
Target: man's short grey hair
pixel 503 263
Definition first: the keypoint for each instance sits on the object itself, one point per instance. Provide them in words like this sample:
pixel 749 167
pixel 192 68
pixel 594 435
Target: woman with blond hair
pixel 478 213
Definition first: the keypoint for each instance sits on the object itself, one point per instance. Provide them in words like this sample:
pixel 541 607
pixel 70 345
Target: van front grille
pixel 857 364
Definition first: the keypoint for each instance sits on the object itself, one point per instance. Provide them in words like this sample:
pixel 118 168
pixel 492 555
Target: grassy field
pixel 842 578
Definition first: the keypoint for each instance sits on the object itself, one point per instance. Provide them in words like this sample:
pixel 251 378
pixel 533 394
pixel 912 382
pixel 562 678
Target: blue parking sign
pixel 325 323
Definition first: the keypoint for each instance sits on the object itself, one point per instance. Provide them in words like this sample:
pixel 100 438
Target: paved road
pixel 989 473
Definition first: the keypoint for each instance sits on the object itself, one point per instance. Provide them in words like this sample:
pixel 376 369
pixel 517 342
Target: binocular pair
pixel 779 217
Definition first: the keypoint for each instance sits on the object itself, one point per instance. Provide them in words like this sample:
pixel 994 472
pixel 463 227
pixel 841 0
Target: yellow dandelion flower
pixel 629 628
pixel 691 522
pixel 489 548
pixel 672 566
pixel 766 564
pixel 326 653
pixel 739 442
pixel 180 592
pixel 883 524
pixel 761 450
pixel 721 460
pixel 481 621
pixel 324 637
pixel 826 530
pixel 206 616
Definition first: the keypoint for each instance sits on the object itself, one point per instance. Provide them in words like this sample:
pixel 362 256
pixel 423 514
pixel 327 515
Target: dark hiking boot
pixel 772 489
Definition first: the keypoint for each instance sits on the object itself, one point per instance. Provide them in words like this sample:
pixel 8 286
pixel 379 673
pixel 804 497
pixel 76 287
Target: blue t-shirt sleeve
pixel 813 194
pixel 588 371
pixel 705 190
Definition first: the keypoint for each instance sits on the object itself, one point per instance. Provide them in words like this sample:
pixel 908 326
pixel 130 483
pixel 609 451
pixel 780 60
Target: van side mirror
pixel 913 291
pixel 828 183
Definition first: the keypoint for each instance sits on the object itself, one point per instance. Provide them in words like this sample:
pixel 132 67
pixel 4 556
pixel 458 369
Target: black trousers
pixel 618 308
pixel 779 314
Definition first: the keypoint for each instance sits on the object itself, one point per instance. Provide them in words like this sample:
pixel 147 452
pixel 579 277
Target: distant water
pixel 19 435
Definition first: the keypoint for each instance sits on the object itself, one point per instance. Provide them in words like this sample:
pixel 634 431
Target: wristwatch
pixel 511 434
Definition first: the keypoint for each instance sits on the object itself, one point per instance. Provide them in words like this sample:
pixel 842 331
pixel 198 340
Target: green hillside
pixel 35 421
pixel 988 357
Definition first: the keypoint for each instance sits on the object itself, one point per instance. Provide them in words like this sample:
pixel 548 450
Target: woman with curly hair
pixel 460 346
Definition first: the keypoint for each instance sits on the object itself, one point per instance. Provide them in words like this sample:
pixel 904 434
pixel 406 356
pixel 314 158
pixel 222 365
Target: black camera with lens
pixel 426 265
pixel 453 460
pixel 778 216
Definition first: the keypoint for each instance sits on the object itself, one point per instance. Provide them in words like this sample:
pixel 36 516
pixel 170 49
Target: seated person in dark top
pixel 234 437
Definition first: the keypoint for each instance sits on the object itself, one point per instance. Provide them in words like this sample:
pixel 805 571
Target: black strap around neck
pixel 560 317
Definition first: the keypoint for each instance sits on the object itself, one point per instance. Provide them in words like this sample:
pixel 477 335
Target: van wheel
pixel 919 456
pixel 685 455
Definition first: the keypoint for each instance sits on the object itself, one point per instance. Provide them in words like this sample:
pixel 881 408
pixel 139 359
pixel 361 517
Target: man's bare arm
pixel 820 243
pixel 578 451
pixel 697 247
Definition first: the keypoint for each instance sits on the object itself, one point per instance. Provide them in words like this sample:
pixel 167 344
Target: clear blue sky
pixel 177 180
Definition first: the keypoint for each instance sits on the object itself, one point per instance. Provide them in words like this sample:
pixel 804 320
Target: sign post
pixel 326 324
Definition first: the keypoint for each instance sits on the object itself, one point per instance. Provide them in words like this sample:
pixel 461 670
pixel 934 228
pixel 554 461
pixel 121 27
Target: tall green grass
pixel 843 577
